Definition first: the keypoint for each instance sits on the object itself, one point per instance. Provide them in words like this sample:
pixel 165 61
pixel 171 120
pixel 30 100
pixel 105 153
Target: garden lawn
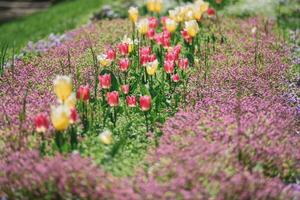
pixel 57 19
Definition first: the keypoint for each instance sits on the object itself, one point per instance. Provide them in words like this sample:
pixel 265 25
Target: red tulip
pixel 131 101
pixel 151 58
pixel 175 78
pixel 170 56
pixel 125 88
pixel 73 115
pixel 145 103
pixel 41 123
pixel 169 67
pixel 158 38
pixel 211 12
pixel 166 34
pixel 124 64
pixel 144 59
pixel 183 63
pixel 123 48
pixel 83 93
pixel 105 81
pixel 111 54
pixel 151 33
pixel 153 22
pixel 186 36
pixel 113 98
pixel 176 51
pixel 166 42
pixel 145 50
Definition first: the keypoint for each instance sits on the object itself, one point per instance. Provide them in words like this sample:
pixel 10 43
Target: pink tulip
pixel 151 33
pixel 73 116
pixel 113 98
pixel 123 48
pixel 153 22
pixel 105 81
pixel 125 88
pixel 131 101
pixel 175 78
pixel 111 54
pixel 211 12
pixel 41 123
pixel 145 50
pixel 83 93
pixel 124 64
pixel 183 63
pixel 145 103
pixel 169 67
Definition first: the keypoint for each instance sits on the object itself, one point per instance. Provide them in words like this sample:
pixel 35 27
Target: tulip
pixel 62 87
pixel 123 48
pixel 105 81
pixel 197 14
pixel 204 7
pixel 83 93
pixel 171 25
pixel 145 103
pixel 143 26
pixel 177 50
pixel 145 50
pixel 151 67
pixel 103 60
pixel 163 20
pixel 154 5
pixel 151 33
pixel 144 59
pixel 189 15
pixel 111 54
pixel 131 101
pixel 113 98
pixel 183 63
pixel 153 22
pixel 106 137
pixel 186 36
pixel 133 14
pixel 124 64
pixel 60 117
pixel 175 78
pixel 73 116
pixel 71 101
pixel 41 123
pixel 130 43
pixel 151 57
pixel 211 12
pixel 125 88
pixel 192 28
pixel 169 67
pixel 170 56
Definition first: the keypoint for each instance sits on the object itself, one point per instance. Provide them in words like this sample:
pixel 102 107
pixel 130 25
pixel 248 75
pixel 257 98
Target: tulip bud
pixel 145 103
pixel 131 101
pixel 169 67
pixel 123 48
pixel 113 98
pixel 175 78
pixel 83 93
pixel 124 64
pixel 106 137
pixel 73 115
pixel 41 123
pixel 183 63
pixel 105 81
pixel 133 14
pixel 62 87
pixel 125 88
pixel 60 117
pixel 192 28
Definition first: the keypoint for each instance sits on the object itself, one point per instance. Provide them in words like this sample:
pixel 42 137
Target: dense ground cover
pixel 233 138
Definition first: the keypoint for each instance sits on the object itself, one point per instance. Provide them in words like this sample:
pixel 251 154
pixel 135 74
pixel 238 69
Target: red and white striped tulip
pixel 169 67
pixel 105 81
pixel 125 88
pixel 131 101
pixel 41 123
pixel 124 64
pixel 113 98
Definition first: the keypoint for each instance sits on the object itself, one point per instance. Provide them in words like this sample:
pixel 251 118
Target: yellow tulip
pixel 204 7
pixel 189 15
pixel 60 117
pixel 62 87
pixel 150 5
pixel 133 14
pixel 151 67
pixel 106 137
pixel 158 6
pixel 197 14
pixel 192 28
pixel 103 60
pixel 171 25
pixel 143 26
pixel 71 101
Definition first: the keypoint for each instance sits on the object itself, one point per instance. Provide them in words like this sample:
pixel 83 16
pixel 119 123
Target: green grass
pixel 57 19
